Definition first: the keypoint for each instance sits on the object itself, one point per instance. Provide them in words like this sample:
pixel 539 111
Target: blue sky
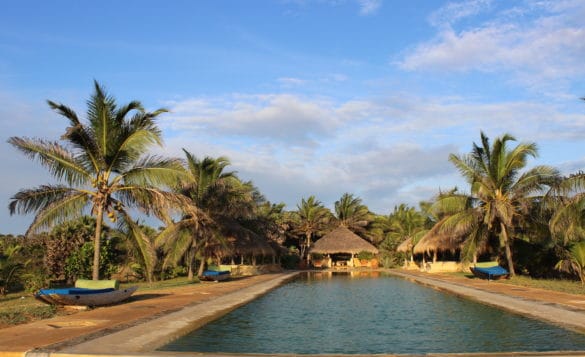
pixel 306 97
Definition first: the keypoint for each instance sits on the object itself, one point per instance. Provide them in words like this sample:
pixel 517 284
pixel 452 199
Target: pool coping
pixel 143 339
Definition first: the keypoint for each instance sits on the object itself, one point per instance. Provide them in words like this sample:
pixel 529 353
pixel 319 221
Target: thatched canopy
pixel 241 241
pixel 437 241
pixel 405 246
pixel 342 240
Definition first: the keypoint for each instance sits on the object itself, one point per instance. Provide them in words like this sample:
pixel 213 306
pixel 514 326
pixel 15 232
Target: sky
pixel 305 97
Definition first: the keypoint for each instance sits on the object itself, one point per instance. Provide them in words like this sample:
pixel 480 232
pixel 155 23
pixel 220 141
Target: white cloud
pixel 382 150
pixel 547 45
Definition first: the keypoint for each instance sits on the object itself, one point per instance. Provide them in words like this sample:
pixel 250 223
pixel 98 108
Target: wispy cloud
pixel 368 7
pixel 536 45
pixel 379 149
pixel 455 11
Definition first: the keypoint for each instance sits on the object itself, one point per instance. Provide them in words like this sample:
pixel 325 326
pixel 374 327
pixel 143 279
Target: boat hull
pixel 85 298
pixel 210 275
pixel 490 273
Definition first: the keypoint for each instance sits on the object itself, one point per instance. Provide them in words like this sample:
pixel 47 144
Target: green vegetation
pixel 104 166
pixel 527 217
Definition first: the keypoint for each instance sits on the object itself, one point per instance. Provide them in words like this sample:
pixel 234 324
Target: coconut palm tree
pixel 500 193
pixel 215 198
pixel 104 167
pixel 352 214
pixel 310 218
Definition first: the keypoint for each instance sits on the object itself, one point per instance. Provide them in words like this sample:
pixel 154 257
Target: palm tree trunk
pixel 190 264
pixel 508 249
pixel 201 267
pixel 97 243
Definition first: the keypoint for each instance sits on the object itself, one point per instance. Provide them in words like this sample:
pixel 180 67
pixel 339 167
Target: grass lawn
pixel 20 308
pixel 565 286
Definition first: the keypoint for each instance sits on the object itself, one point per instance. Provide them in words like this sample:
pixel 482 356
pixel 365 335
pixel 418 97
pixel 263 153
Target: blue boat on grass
pixel 490 273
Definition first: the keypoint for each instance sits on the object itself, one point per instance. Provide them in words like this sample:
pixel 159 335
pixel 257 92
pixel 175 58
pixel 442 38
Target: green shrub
pixel 365 255
pixel 79 264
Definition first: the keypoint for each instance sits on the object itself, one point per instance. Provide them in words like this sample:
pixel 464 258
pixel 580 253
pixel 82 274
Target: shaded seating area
pixel 340 248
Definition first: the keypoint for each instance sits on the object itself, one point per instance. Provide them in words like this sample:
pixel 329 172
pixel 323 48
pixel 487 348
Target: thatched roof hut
pixel 437 241
pixel 240 241
pixel 405 246
pixel 342 240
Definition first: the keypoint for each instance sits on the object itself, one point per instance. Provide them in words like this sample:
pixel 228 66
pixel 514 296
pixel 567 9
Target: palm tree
pixel 351 213
pixel 567 200
pixel 575 261
pixel 215 197
pixel 310 218
pixel 405 223
pixel 500 193
pixel 104 166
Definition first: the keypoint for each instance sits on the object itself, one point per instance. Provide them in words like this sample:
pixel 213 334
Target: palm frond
pixel 38 199
pixel 60 162
pixel 140 240
pixel 69 206
pixel 154 171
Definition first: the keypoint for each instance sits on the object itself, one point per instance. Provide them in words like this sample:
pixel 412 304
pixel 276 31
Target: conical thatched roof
pixel 436 241
pixel 342 240
pixel 405 246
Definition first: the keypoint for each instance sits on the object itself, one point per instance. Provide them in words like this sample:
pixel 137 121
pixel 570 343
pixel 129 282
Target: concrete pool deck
pixel 153 318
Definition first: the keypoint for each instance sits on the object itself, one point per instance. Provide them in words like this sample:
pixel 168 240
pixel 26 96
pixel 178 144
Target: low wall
pixel 442 267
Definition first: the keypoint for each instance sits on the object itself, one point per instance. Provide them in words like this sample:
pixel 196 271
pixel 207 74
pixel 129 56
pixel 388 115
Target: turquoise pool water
pixel 371 314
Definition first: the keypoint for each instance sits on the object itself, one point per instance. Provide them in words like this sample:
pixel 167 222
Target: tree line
pixel 86 224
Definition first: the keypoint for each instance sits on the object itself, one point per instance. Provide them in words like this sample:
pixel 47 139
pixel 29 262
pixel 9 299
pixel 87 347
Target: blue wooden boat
pixel 215 275
pixel 491 273
pixel 87 293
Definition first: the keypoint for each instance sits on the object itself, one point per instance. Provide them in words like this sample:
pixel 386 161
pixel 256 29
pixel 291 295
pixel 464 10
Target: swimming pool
pixel 375 313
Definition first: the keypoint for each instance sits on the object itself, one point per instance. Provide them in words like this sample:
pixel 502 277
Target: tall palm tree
pixel 310 218
pixel 351 213
pixel 104 166
pixel 215 197
pixel 500 193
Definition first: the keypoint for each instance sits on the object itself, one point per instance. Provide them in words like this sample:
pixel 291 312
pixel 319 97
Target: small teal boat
pixel 213 275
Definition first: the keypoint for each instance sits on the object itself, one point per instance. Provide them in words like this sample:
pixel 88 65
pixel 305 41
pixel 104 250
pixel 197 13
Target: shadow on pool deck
pixel 153 318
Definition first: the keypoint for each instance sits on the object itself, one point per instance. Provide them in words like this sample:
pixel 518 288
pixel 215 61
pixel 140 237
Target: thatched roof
pixel 241 241
pixel 437 241
pixel 405 246
pixel 342 240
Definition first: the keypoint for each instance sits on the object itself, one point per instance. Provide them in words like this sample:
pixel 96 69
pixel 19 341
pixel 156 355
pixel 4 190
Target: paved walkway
pixel 152 317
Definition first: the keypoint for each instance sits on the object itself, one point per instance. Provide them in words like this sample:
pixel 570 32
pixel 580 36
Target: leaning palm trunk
pixel 508 249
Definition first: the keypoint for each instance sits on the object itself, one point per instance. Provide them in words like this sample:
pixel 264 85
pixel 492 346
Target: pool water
pixel 371 314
